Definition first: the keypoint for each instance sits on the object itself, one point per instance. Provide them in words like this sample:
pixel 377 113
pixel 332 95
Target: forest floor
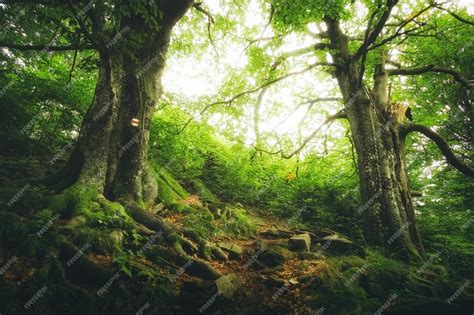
pixel 276 269
pixel 275 285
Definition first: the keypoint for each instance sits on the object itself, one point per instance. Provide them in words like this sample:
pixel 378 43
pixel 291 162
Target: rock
pixel 337 238
pixel 336 244
pixel 117 237
pixel 234 249
pixel 272 281
pixel 300 242
pixel 293 281
pixel 227 285
pixel 274 256
pixel 277 232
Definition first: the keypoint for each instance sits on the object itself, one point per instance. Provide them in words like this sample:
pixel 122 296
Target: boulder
pixel 227 285
pixel 276 232
pixel 300 242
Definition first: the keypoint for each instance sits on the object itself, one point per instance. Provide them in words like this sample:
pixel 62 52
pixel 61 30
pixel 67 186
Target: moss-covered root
pixel 197 267
pixel 80 200
pixel 148 219
pixel 207 250
pixel 81 269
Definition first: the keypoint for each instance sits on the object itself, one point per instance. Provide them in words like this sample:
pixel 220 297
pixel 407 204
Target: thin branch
pixel 198 7
pixel 210 21
pixel 339 115
pixel 256 89
pixel 48 47
pixel 72 67
pixel 442 145
pixel 83 27
pixel 404 23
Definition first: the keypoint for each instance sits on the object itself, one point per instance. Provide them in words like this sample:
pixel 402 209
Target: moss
pixel 73 201
pixel 201 221
pixel 236 221
pixel 87 202
pixel 170 192
pixel 199 188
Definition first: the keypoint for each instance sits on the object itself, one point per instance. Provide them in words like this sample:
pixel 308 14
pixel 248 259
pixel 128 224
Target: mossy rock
pixel 275 256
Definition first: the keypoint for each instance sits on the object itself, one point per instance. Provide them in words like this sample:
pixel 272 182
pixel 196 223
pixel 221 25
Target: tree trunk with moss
pixel 110 154
pixel 387 209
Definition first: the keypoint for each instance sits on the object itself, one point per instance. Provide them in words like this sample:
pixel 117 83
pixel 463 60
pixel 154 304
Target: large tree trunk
pixel 387 210
pixel 110 153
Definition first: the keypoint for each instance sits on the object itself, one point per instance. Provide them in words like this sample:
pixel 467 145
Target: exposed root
pixel 182 247
pixel 82 269
pixel 207 250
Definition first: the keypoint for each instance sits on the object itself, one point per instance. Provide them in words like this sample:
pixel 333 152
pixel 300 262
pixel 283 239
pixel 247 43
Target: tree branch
pixel 339 115
pixel 256 89
pixel 400 27
pixel 377 29
pixel 456 16
pixel 46 47
pixel 442 145
pixel 430 68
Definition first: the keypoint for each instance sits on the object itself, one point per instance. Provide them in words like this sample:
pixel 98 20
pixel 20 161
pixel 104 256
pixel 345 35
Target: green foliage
pixel 297 14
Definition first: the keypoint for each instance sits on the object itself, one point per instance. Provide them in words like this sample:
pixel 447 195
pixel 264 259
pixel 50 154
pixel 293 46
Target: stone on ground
pixel 227 285
pixel 234 249
pixel 300 242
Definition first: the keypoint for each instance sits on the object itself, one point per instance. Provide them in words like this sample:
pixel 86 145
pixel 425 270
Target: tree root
pixel 182 247
pixel 82 269
pixel 208 251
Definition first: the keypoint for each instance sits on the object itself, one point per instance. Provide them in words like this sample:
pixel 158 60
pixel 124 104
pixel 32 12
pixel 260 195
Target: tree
pixel 365 53
pixel 379 137
pixel 109 157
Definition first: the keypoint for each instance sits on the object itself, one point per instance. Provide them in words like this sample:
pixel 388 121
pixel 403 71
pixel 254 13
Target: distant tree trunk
pixel 110 153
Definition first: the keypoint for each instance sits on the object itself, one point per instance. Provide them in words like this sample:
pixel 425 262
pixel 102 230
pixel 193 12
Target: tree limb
pixel 377 29
pixel 430 68
pixel 456 16
pixel 400 27
pixel 47 47
pixel 442 145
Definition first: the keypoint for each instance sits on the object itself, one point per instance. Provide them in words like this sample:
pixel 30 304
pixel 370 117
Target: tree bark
pixel 110 154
